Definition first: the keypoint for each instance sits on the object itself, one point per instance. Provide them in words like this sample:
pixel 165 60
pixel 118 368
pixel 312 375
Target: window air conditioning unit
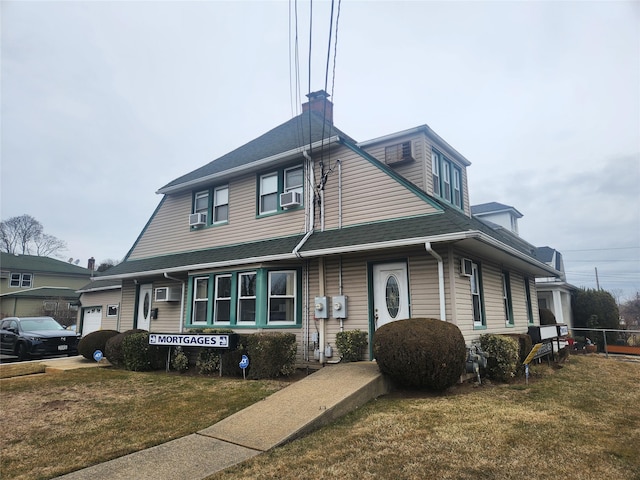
pixel 466 267
pixel 167 294
pixel 290 199
pixel 197 219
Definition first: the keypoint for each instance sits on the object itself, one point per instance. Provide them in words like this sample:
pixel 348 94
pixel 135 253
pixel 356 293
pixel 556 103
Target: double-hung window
pixel 476 296
pixel 282 297
pixel 506 299
pixel 269 193
pixel 222 306
pixel 247 290
pixel 447 180
pixel 200 300
pixel 22 280
pixel 293 179
pixel 221 204
pixel 201 203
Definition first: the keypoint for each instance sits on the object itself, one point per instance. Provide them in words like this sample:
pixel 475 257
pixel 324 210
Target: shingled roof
pixel 299 132
pixel 34 263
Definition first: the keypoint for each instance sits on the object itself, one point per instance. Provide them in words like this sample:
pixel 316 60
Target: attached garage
pixel 92 320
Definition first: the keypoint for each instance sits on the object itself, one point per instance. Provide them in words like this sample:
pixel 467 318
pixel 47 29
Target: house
pixel 554 293
pixel 305 230
pixel 33 285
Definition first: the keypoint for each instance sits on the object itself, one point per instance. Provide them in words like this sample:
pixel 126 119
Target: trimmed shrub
pixel 113 348
pixel 179 361
pixel 94 341
pixel 547 317
pixel 524 346
pixel 208 361
pixel 502 356
pixel 423 353
pixel 271 355
pixel 139 356
pixel 351 344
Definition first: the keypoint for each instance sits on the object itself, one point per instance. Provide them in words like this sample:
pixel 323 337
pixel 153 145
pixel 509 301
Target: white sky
pixel 105 102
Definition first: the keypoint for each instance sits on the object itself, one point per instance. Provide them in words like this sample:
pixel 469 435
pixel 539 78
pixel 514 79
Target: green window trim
pixel 281 188
pixel 212 208
pixel 507 299
pixel 447 180
pixel 261 300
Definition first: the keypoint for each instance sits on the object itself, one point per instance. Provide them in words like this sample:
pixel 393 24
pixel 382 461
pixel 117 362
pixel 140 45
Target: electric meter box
pixel 321 307
pixel 339 305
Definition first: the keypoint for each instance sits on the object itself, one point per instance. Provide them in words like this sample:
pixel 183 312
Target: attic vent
pixel 398 153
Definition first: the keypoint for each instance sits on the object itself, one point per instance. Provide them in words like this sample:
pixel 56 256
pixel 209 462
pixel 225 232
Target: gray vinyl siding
pixel 168 312
pixel 169 231
pixel 128 306
pixel 412 171
pixel 364 186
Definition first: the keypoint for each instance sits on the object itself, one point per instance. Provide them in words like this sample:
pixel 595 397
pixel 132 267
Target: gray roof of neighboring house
pixel 43 292
pixel 34 263
pixel 99 284
pixel 546 255
pixel 493 207
pixel 303 130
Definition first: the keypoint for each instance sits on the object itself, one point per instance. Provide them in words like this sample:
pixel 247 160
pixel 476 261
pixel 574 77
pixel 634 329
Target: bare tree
pixel 25 235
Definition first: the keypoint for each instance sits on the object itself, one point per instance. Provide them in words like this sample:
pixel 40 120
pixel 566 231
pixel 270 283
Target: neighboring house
pixel 304 230
pixel 100 302
pixel 554 293
pixel 32 285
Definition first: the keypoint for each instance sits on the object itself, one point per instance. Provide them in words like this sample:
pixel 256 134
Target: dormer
pixel 505 216
pixel 426 160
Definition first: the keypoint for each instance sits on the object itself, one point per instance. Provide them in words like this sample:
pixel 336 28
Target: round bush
pixel 139 356
pixel 422 353
pixel 351 344
pixel 113 348
pixel 94 341
pixel 503 357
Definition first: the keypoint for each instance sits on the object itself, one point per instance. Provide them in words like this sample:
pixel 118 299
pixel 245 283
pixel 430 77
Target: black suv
pixel 28 337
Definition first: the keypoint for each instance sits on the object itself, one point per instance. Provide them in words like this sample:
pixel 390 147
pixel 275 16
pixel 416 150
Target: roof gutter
pixel 250 166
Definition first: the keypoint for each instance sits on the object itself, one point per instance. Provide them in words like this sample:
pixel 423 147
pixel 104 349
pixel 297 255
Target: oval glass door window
pixel 147 305
pixel 392 294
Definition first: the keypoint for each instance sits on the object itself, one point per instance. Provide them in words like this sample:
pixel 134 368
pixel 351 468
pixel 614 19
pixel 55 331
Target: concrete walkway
pixel 286 415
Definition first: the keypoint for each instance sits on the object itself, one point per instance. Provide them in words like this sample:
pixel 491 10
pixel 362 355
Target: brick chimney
pixel 91 264
pixel 319 103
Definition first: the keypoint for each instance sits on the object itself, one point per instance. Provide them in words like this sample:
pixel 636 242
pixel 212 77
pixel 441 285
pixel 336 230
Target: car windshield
pixel 34 324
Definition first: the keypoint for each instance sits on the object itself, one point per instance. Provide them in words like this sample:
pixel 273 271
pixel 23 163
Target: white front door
pixel 92 320
pixel 144 306
pixel 390 293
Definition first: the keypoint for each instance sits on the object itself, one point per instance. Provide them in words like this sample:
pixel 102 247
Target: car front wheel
pixel 22 352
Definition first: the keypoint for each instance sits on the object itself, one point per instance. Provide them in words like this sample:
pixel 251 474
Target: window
pixel 476 296
pixel 447 180
pixel 200 300
pixel 222 307
pixel 269 193
pixel 293 180
pixel 435 167
pixel 247 297
pixel 112 310
pixel 201 203
pixel 397 153
pixel 22 280
pixel 272 184
pixel 282 297
pixel 221 204
pixel 457 191
pixel 506 299
pixel 527 291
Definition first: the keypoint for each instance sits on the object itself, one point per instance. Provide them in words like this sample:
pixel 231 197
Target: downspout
pixel 443 310
pixel 339 195
pixel 166 275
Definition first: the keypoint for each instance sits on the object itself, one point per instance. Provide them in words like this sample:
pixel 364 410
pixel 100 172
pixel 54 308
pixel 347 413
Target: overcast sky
pixel 105 102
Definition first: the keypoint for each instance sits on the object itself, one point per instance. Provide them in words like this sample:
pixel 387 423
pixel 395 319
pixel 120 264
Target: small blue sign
pixel 244 363
pixel 97 355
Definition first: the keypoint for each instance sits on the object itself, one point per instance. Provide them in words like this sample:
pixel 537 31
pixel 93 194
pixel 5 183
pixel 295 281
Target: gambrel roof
pixel 306 129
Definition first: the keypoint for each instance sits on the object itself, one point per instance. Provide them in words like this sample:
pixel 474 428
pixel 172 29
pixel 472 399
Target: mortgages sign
pixel 228 340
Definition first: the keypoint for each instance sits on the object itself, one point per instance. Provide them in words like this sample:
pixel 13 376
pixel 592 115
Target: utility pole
pixel 597 281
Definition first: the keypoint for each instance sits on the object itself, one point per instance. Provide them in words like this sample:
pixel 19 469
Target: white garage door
pixel 92 320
